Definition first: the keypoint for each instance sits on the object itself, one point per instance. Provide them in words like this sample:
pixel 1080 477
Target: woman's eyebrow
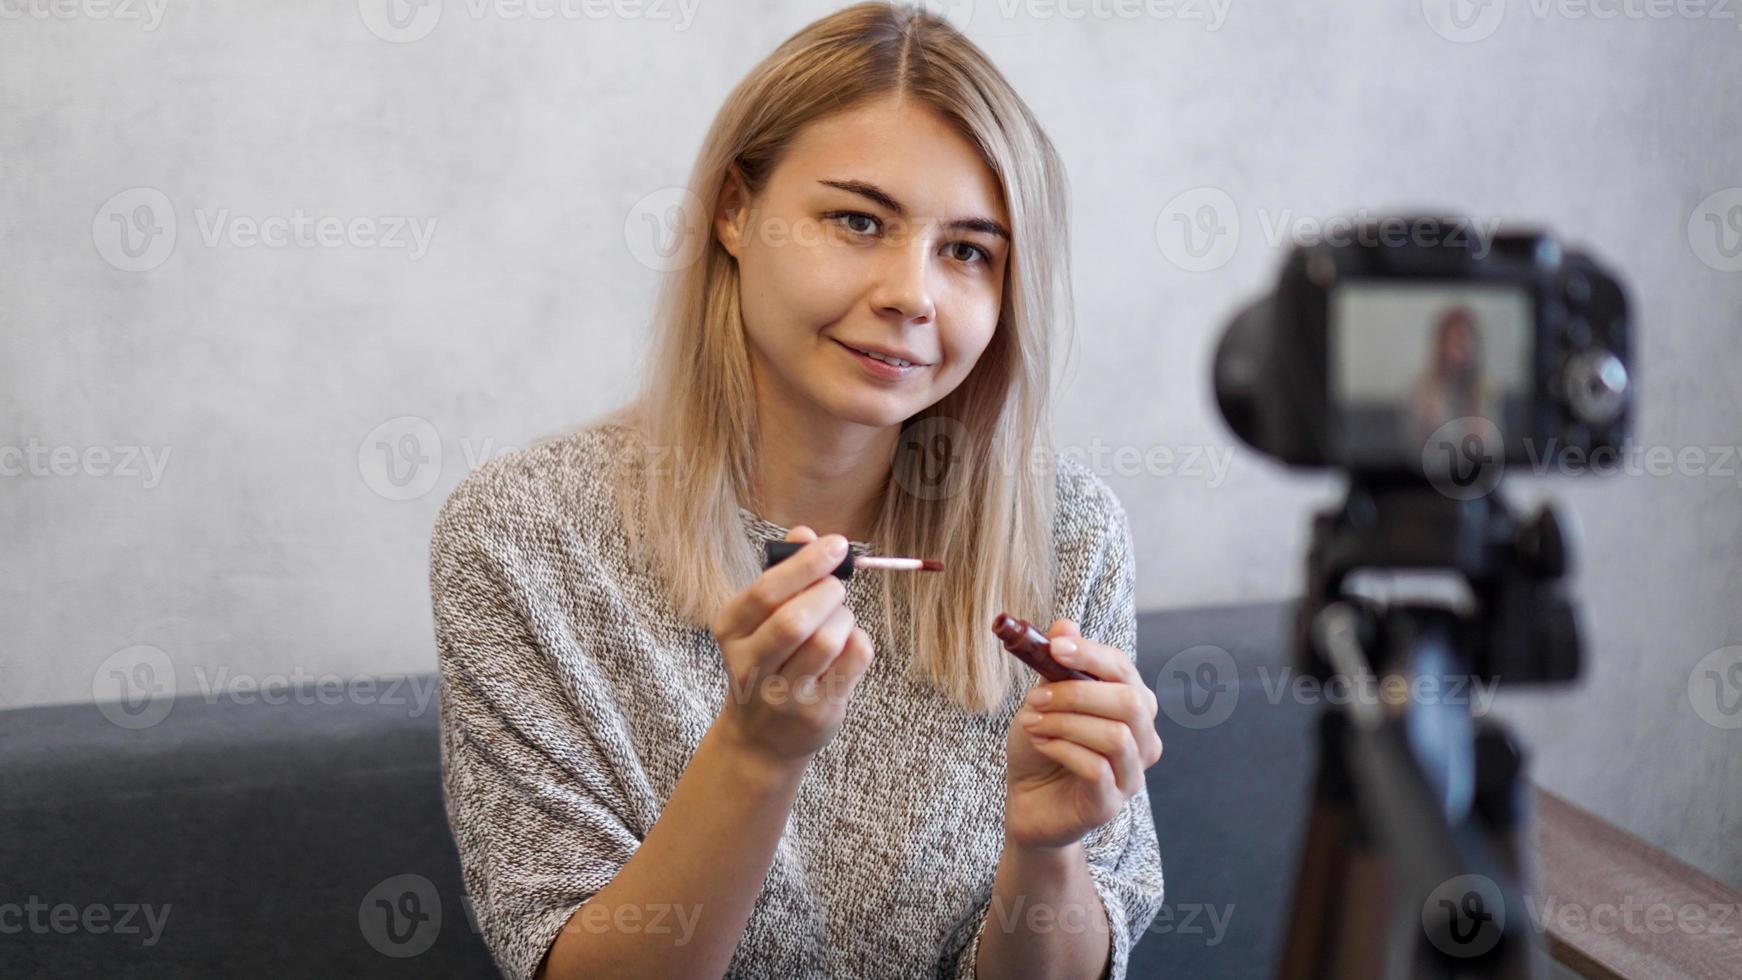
pixel 888 203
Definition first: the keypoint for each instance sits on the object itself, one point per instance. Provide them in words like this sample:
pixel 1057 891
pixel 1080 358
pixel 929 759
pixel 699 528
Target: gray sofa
pixel 308 838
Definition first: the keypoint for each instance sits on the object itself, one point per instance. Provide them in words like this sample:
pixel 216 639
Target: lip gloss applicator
pixel 779 551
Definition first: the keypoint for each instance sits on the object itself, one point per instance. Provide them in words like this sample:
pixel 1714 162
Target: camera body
pixel 1417 347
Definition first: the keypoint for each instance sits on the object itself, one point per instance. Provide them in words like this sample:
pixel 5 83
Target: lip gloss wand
pixel 779 551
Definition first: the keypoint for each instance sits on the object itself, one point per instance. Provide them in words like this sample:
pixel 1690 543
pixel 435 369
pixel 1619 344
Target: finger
pixel 794 622
pixel 1088 766
pixel 1063 627
pixel 1111 740
pixel 849 668
pixel 1097 659
pixel 801 532
pixel 1133 706
pixel 815 654
pixel 750 609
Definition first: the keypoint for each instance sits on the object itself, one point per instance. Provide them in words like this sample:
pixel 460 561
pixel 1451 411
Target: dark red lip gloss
pixel 1032 647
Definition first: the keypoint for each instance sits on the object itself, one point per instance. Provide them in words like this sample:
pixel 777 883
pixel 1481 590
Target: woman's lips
pixel 881 369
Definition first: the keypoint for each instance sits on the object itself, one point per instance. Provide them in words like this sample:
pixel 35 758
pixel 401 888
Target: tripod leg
pixel 1341 887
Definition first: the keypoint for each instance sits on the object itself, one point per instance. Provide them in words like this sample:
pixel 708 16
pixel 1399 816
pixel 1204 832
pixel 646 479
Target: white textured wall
pixel 525 151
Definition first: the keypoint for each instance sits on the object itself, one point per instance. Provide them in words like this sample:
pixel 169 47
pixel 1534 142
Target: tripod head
pixel 1521 628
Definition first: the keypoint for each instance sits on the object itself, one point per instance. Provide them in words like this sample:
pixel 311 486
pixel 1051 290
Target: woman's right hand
pixel 793 654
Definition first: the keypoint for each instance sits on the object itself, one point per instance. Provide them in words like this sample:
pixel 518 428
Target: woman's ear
pixel 730 220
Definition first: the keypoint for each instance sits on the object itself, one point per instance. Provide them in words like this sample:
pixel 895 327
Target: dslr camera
pixel 1418 347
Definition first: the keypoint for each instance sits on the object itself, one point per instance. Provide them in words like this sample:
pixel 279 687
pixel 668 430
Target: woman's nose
pixel 905 289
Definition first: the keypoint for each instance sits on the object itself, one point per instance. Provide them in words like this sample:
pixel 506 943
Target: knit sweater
pixel 572 697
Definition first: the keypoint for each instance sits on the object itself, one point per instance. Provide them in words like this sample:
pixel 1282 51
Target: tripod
pixel 1411 863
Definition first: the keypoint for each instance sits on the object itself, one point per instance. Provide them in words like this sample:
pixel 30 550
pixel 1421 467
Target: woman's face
pixel 1457 346
pixel 880 228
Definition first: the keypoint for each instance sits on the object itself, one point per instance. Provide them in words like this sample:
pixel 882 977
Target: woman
pixel 661 759
pixel 1450 386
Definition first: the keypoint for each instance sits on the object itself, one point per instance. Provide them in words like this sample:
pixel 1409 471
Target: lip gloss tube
pixel 1032 647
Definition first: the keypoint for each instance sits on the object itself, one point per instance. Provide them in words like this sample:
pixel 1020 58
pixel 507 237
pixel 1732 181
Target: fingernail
pixel 837 546
pixel 1027 717
pixel 1040 697
pixel 1064 646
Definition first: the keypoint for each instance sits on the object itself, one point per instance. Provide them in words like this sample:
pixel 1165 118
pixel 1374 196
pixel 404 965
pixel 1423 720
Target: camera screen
pixel 1417 363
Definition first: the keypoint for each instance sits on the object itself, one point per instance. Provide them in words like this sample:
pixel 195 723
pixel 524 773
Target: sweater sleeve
pixel 1123 854
pixel 538 819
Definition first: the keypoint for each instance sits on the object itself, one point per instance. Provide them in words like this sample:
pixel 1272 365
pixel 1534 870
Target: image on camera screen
pixel 1418 363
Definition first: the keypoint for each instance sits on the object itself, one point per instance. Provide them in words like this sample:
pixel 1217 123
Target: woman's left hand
pixel 1077 750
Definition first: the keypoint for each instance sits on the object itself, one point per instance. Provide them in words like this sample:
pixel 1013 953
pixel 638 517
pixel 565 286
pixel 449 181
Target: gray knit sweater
pixel 572 698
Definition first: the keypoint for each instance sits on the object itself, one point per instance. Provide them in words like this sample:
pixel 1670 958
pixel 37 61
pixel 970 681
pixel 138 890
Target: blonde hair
pixel 988 512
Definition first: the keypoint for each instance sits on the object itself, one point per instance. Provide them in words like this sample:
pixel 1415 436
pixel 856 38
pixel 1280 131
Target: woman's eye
pixel 974 253
pixel 849 219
